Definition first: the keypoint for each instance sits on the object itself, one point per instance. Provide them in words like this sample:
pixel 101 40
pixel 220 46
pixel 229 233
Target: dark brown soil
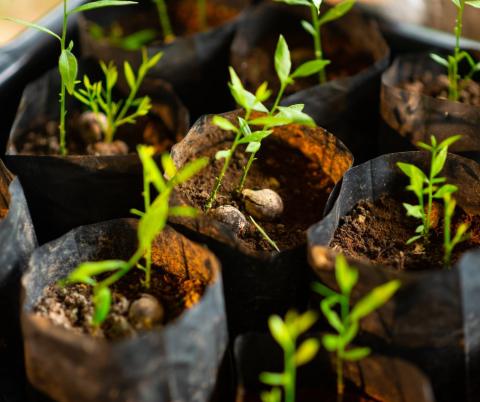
pixel 299 181
pixel 377 233
pixel 437 87
pixel 44 139
pixel 72 308
pixel 183 17
pixel 346 60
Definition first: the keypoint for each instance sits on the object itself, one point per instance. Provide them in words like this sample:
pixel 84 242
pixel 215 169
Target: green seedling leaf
pixel 337 11
pixel 445 189
pixel 295 115
pixel 417 177
pixel 310 68
pixel 449 141
pixel 257 136
pixel 34 26
pixel 305 321
pixel 306 352
pixel 168 165
pixel 255 148
pixel 414 210
pixel 283 62
pixel 151 171
pixel 274 395
pixel 190 170
pixel 308 27
pixel 356 354
pixel 346 276
pixel 99 4
pixel 270 121
pixel 473 3
pixel 224 154
pixel 330 342
pixel 439 161
pixel 279 331
pixel 457 3
pixel 138 39
pixel 438 59
pixel 272 378
pixel 68 67
pixel 263 93
pixel 331 316
pixel 375 299
pixel 323 290
pixel 85 272
pixel 183 211
pixel 102 300
pixel 129 75
pixel 224 124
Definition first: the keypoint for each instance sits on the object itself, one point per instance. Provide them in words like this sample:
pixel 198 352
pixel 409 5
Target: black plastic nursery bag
pixel 177 362
pixel 431 320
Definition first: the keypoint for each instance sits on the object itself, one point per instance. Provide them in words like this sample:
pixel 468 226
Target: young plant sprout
pixel 116 37
pixel 452 62
pixel 67 63
pixel 286 334
pixel 246 132
pixel 151 223
pixel 264 234
pixel 460 235
pixel 421 185
pixel 347 323
pixel 314 26
pixel 99 99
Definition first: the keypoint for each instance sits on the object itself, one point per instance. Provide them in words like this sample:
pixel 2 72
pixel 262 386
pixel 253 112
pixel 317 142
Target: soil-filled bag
pixel 375 378
pixel 17 241
pixel 174 362
pixel 258 280
pixel 195 63
pixel 347 104
pixel 432 319
pixel 415 105
pixel 64 192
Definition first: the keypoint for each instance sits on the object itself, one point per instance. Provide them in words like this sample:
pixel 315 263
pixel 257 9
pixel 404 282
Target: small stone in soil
pixel 91 126
pixel 146 312
pixel 263 204
pixel 231 217
pixel 116 147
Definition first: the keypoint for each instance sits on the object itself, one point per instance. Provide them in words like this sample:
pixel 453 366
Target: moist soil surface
pixel 437 86
pixel 71 307
pixel 377 232
pixel 301 184
pixel 44 139
pixel 183 17
pixel 346 60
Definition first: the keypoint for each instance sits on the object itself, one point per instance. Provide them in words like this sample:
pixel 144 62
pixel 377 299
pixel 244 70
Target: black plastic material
pixel 196 65
pixel 432 320
pixel 409 117
pixel 381 377
pixel 347 106
pixel 178 362
pixel 66 192
pixel 17 240
pixel 257 284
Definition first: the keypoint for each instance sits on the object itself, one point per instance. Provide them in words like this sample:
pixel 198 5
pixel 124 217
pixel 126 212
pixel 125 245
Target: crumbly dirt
pixel 437 86
pixel 346 60
pixel 300 183
pixel 377 232
pixel 44 139
pixel 71 307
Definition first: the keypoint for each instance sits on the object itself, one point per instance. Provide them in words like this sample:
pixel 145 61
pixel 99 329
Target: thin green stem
pixel 317 42
pixel 122 272
pixel 447 235
pixel 290 370
pixel 278 99
pixel 63 111
pixel 426 229
pixel 168 35
pixel 453 90
pixel 148 253
pixel 220 177
pixel 202 14
pixel 245 172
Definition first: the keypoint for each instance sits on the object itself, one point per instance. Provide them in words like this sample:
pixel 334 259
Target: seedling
pixel 452 62
pixel 430 186
pixel 347 323
pixel 116 37
pixel 245 133
pixel 460 235
pixel 67 63
pixel 317 21
pixel 286 334
pixel 98 97
pixel 151 223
